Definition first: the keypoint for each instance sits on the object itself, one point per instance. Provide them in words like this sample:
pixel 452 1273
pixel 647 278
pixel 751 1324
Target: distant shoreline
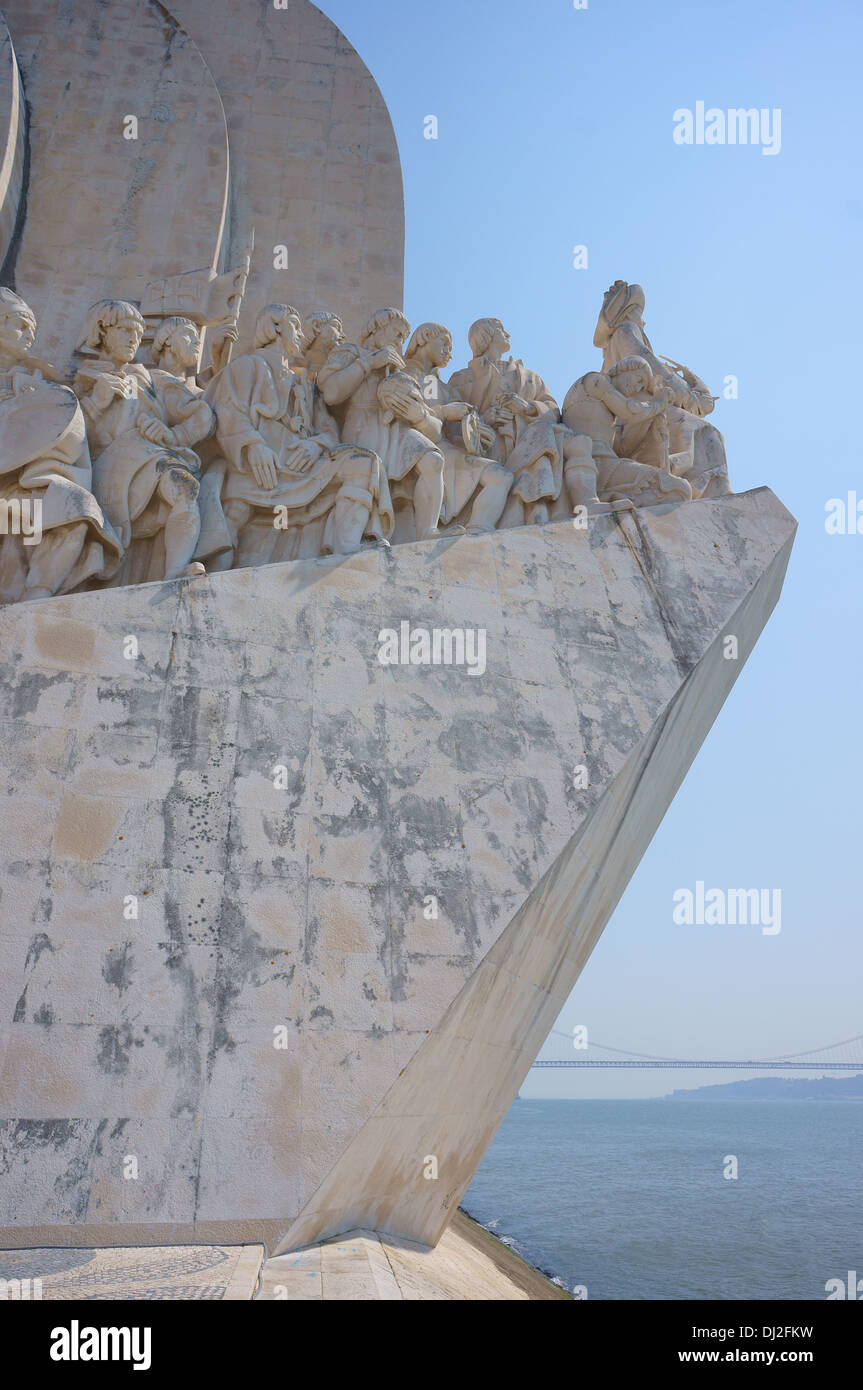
pixel 847 1088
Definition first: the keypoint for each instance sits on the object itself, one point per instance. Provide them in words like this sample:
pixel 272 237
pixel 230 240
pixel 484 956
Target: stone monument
pixel 342 694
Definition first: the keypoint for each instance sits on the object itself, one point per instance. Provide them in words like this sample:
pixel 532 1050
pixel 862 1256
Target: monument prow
pixel 342 692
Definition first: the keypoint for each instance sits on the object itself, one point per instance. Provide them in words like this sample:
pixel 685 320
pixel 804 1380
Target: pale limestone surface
pixel 178 1273
pixel 106 215
pixel 297 899
pixel 314 161
pixel 467 1265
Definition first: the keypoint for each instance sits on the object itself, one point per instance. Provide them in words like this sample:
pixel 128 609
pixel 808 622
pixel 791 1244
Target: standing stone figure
pixel 176 350
pixel 282 451
pixel 595 405
pixel 696 446
pixel 385 412
pixel 529 438
pixel 144 473
pixel 469 475
pixel 45 474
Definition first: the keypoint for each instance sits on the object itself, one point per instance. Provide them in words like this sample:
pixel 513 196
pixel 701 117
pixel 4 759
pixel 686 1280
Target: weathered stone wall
pixel 152 777
pixel 314 160
pixel 105 215
pixel 313 164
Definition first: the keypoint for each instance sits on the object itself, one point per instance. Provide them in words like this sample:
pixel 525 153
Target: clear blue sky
pixel 555 129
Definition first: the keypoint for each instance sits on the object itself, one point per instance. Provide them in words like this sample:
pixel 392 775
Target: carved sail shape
pixel 105 213
pixel 13 141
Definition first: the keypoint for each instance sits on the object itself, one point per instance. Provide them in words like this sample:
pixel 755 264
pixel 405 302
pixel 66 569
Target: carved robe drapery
pixel 532 448
pixel 126 466
pixel 257 402
pixel 44 456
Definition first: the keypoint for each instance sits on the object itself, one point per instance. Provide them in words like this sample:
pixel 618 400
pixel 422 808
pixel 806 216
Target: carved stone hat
pixel 619 299
pixel 10 302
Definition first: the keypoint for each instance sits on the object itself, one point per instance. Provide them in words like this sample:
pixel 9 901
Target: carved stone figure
pixel 281 447
pixel 385 412
pixel 696 446
pixel 474 484
pixel 45 473
pixel 595 404
pixel 529 438
pixel 177 382
pixel 322 332
pixel 176 351
pixel 144 473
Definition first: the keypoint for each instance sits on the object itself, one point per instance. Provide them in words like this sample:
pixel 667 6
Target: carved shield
pixel 32 423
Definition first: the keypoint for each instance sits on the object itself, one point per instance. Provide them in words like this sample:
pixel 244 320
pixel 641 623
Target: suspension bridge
pixel 572 1050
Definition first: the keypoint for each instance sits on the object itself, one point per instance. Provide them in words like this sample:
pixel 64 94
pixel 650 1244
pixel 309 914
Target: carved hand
pixel 264 466
pixel 154 430
pixel 304 453
pixel 409 410
pixel 456 410
pixel 106 388
pixel 21 382
pixel 220 352
pixel 386 357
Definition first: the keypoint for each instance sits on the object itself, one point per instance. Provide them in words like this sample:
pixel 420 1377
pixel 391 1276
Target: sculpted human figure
pixel 384 411
pixel 596 405
pixel 145 474
pixel 282 448
pixel 177 380
pixel 45 469
pixel 176 351
pixel 696 446
pixel 322 332
pixel 529 438
pixel 470 476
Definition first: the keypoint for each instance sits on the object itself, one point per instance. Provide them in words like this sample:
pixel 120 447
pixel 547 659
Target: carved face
pixel 122 340
pixel 185 345
pixel 501 338
pixel 392 335
pixel 440 349
pixel 631 383
pixel 330 336
pixel 17 333
pixel 291 334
